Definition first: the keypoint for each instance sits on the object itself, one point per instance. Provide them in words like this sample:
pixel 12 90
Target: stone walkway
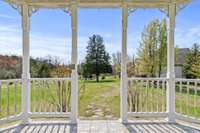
pixel 102 127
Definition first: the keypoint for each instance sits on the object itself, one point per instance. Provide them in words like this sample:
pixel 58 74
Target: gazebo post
pixel 170 64
pixel 74 81
pixel 124 82
pixel 26 65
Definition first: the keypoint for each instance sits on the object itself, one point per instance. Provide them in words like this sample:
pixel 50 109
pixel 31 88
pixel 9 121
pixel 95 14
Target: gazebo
pixel 171 7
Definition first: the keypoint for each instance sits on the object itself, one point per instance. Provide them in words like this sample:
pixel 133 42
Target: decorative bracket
pixel 32 10
pixel 178 9
pixel 19 9
pixel 131 10
pixel 165 10
pixel 67 10
pixel 16 7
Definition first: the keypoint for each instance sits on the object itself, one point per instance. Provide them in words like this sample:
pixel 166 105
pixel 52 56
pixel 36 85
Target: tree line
pixel 151 56
pixel 11 67
pixel 149 61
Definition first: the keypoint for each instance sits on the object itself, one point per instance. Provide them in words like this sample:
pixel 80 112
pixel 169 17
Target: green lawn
pixel 100 99
pixel 96 100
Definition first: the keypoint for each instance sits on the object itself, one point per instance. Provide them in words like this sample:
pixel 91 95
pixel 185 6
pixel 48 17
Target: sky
pixel 50 30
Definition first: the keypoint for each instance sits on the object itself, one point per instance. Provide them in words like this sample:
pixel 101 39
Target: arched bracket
pixel 32 10
pixel 67 10
pixel 165 10
pixel 131 10
pixel 178 9
pixel 16 7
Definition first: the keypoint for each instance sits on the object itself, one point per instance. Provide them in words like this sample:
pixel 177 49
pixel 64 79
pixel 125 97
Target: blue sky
pixel 50 32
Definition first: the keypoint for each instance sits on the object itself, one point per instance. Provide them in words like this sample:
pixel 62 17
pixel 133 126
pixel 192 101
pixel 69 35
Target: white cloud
pixel 7 16
pixel 10 40
pixel 42 45
pixel 187 37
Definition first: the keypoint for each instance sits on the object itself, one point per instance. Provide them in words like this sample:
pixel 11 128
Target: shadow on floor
pixel 102 127
pixel 43 128
pixel 159 127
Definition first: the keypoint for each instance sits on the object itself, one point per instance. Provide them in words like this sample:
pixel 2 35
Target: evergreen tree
pixel 192 63
pixel 97 59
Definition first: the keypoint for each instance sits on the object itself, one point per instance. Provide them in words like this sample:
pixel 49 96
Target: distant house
pixel 180 60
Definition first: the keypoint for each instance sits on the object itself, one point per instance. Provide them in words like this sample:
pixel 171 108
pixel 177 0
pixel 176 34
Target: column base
pixel 123 121
pixel 73 121
pixel 171 118
pixel 25 122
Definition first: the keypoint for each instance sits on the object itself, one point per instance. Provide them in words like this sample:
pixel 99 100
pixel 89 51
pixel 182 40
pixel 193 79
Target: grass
pixel 96 100
pixel 102 98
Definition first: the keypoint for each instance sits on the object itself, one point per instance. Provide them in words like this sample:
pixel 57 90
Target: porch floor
pixel 100 126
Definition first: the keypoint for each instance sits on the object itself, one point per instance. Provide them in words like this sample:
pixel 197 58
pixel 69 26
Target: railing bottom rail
pixel 147 114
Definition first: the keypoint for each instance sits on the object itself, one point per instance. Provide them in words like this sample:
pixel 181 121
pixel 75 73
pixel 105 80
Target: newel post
pixel 124 82
pixel 74 77
pixel 170 64
pixel 25 65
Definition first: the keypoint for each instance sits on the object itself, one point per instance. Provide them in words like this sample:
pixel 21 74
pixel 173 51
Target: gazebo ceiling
pixel 97 3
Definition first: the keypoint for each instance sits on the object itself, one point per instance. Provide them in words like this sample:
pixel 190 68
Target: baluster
pixel 61 104
pixel 0 97
pixel 66 95
pixel 187 102
pixel 8 98
pixel 129 91
pixel 152 95
pixel 140 92
pixel 57 94
pixel 50 96
pixel 180 98
pixel 129 96
pixel 130 102
pixel 45 106
pixel 39 94
pixel 136 96
pixel 163 99
pixel 147 84
pixel 15 92
pixel 158 82
pixel 195 99
pixel 34 96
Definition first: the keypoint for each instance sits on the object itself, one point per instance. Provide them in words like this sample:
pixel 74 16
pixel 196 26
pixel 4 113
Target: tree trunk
pixel 159 71
pixel 97 78
pixel 119 75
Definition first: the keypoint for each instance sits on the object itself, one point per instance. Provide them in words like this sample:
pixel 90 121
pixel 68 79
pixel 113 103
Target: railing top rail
pixel 33 79
pixel 9 80
pixel 136 78
pixel 187 80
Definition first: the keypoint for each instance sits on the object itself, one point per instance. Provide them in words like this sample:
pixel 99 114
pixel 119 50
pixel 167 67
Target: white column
pixel 74 82
pixel 170 64
pixel 123 88
pixel 26 65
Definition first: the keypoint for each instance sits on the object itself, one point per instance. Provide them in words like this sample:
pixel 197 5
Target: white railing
pixel 50 97
pixel 188 98
pixel 147 96
pixel 10 100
